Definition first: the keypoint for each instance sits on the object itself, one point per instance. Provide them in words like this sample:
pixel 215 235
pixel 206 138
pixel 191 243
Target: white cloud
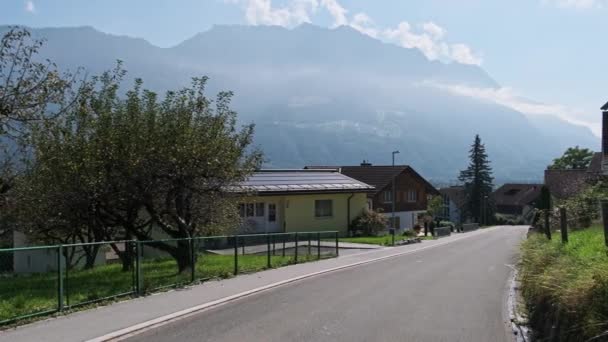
pixel 429 37
pixel 30 7
pixel 261 12
pixel 430 41
pixel 577 4
pixel 337 12
pixel 508 97
pixel 364 24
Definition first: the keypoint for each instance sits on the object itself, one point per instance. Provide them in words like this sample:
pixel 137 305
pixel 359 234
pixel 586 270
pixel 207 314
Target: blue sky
pixel 547 54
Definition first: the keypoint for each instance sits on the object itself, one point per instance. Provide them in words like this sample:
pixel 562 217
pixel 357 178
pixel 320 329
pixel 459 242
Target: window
pixel 242 209
pixel 249 211
pixel 387 196
pixel 272 212
pixel 323 208
pixel 259 209
pixel 412 196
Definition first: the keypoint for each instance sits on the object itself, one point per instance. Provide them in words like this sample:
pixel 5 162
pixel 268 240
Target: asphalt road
pixel 456 292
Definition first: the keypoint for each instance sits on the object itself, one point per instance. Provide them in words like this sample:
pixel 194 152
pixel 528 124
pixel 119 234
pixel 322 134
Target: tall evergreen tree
pixel 478 184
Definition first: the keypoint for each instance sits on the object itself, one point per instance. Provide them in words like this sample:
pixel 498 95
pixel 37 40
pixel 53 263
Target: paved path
pixel 452 293
pixel 440 287
pixel 263 248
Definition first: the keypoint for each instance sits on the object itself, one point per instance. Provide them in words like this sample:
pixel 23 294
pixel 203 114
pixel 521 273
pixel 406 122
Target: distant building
pixel 516 199
pixel 453 203
pixel 411 190
pixel 564 184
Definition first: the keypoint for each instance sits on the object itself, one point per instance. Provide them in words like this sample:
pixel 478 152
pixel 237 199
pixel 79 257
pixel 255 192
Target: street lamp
pixel 484 201
pixel 393 190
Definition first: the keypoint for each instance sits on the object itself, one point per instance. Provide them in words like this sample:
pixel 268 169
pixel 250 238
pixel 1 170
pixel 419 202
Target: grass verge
pixel 565 286
pixel 22 295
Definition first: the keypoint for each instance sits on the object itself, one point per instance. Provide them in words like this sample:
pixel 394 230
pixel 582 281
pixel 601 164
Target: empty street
pixel 455 292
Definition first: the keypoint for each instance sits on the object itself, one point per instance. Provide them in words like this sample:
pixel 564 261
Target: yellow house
pixel 301 201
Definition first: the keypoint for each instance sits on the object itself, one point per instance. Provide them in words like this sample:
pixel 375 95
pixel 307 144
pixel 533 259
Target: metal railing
pixel 43 280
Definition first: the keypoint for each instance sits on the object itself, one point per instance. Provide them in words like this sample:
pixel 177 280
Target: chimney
pixel 605 139
pixel 366 163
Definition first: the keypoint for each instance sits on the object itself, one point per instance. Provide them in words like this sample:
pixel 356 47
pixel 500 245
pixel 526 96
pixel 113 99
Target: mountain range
pixel 336 97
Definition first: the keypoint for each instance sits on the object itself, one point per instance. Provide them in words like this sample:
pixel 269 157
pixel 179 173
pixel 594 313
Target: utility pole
pixel 394 193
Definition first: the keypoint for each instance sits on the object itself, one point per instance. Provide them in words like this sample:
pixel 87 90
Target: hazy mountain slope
pixel 322 96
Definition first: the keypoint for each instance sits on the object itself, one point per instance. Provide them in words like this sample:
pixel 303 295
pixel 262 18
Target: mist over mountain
pixel 335 97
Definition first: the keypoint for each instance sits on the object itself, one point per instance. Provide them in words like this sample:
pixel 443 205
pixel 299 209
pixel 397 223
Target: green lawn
pixel 28 294
pixel 566 286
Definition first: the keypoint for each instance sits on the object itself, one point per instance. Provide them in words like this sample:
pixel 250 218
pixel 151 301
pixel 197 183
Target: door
pixel 272 219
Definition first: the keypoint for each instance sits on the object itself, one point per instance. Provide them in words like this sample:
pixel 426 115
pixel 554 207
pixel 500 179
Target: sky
pixel 549 56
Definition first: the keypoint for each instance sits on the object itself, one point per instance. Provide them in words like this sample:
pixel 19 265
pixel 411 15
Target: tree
pixel 478 184
pixel 140 167
pixel 434 207
pixel 575 158
pixel 30 91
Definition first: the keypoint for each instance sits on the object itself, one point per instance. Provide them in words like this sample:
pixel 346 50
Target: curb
pixel 157 322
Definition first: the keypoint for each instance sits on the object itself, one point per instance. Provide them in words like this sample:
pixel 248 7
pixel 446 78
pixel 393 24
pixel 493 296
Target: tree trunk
pixel 126 256
pixel 183 257
pixel 90 256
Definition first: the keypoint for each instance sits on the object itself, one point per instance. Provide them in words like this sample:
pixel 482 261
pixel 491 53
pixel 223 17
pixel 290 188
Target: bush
pixel 370 222
pixel 447 224
pixel 410 233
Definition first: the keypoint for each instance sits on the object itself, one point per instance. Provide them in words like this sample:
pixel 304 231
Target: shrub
pixel 447 224
pixel 370 222
pixel 410 233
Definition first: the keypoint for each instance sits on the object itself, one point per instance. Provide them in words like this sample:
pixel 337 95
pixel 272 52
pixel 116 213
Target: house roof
pixel 455 194
pixel 567 183
pixel 516 194
pixel 380 176
pixel 605 107
pixel 267 182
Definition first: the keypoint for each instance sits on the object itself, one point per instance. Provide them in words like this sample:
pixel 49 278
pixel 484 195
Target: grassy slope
pixel 22 295
pixel 566 286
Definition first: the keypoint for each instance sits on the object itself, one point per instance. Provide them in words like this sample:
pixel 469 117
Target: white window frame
pixel 412 196
pixel 387 196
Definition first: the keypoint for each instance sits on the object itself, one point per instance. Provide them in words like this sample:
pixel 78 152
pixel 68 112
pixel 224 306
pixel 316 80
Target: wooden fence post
pixel 563 220
pixel 547 225
pixel 605 220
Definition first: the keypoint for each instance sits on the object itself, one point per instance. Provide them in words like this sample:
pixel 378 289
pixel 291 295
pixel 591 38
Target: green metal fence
pixel 42 280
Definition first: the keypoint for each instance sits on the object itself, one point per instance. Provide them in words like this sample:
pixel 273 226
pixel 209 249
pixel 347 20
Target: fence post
pixel 319 245
pixel 243 245
pixel 337 249
pixel 309 243
pixel 563 220
pixel 274 244
pixel 296 251
pixel 605 220
pixel 138 274
pixel 60 266
pixel 284 238
pixel 192 261
pixel 268 246
pixel 236 254
pixel 547 225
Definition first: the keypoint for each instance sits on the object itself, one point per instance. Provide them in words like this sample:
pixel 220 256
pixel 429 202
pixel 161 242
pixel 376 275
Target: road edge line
pixel 160 321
